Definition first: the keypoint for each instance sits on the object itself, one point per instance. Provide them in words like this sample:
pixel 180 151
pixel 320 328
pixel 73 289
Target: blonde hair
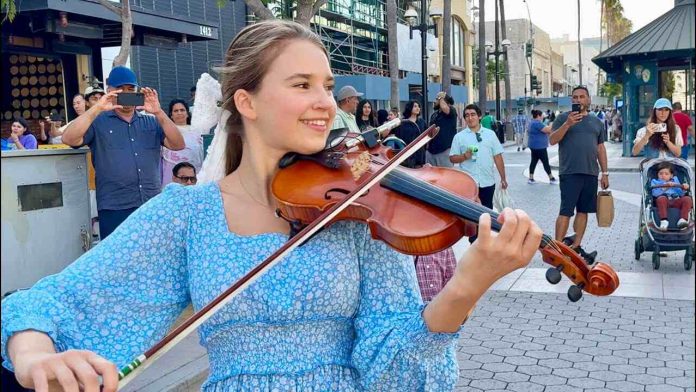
pixel 247 61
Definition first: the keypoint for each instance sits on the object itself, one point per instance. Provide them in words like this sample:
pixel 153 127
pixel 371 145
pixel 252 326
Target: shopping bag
pixel 605 208
pixel 502 199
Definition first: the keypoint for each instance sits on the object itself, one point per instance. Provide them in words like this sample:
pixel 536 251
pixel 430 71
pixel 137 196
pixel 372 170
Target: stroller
pixel 650 237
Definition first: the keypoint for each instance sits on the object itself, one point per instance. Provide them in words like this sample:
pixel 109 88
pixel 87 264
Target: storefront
pixel 655 61
pixel 52 50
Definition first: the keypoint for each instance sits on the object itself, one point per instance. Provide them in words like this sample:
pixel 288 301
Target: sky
pixel 559 17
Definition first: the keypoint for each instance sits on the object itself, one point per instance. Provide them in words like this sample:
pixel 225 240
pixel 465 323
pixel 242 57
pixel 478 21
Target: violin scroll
pixel 601 279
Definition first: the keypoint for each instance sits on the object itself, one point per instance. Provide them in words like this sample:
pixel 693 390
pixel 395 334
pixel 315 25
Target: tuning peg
pixel 553 275
pixel 575 292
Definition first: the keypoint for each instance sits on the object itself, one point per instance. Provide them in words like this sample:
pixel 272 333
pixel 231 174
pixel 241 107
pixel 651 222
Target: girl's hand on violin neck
pixel 69 371
pixel 494 255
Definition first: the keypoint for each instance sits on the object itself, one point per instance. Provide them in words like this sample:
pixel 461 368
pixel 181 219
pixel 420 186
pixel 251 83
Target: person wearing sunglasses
pixel 184 173
pixel 477 150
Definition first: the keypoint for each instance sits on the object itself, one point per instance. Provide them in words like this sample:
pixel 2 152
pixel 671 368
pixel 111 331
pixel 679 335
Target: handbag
pixel 605 208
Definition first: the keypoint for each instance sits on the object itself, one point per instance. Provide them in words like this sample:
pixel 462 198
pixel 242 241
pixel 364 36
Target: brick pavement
pixel 541 342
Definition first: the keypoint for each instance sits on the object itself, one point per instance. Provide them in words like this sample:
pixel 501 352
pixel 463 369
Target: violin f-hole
pixel 327 195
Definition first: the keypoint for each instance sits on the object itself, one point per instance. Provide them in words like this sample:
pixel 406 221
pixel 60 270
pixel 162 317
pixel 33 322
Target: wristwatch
pixel 605 174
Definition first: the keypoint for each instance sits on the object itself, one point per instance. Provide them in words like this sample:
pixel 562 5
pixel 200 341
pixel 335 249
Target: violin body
pixel 409 226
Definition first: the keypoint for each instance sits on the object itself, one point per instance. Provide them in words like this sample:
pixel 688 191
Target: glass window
pixel 457 44
pixel 40 196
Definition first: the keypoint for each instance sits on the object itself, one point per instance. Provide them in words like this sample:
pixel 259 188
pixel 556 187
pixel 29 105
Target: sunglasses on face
pixel 192 180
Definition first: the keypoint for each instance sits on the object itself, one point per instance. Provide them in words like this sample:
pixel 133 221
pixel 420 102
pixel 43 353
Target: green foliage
pixel 611 90
pixel 9 8
pixel 614 22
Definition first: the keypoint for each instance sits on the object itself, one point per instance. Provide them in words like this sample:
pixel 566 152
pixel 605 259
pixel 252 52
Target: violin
pixel 415 211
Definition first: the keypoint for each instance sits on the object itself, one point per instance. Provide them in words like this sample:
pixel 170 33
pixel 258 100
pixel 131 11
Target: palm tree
pixel 393 53
pixel 506 64
pixel 446 44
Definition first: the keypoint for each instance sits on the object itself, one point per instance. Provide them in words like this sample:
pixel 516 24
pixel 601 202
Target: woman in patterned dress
pixel 340 313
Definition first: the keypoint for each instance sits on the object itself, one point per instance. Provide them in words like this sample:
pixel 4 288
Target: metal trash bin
pixel 46 221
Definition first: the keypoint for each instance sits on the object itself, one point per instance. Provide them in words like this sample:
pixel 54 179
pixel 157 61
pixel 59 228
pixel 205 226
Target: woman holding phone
pixel 661 137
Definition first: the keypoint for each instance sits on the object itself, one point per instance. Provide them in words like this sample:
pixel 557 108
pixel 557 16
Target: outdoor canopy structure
pixel 655 61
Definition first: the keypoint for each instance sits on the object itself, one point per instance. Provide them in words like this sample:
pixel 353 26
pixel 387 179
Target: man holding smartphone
pixel 581 154
pixel 125 146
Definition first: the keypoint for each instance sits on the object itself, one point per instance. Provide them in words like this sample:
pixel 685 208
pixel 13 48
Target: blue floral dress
pixel 340 313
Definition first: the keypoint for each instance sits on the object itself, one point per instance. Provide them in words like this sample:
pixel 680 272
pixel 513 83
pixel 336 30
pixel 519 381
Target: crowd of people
pixel 363 316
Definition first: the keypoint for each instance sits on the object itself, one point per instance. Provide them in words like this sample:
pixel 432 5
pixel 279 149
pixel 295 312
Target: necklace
pixel 250 195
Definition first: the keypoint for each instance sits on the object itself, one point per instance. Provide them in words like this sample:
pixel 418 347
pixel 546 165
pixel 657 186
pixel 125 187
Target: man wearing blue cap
pixel 125 148
pixel 581 154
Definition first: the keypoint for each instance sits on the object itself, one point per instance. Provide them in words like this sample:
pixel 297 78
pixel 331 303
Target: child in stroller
pixel 669 193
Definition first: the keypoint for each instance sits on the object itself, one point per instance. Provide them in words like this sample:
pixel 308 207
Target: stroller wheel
pixel 638 248
pixel 689 258
pixel 656 258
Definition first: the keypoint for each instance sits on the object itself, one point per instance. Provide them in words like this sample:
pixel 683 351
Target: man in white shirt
pixel 347 99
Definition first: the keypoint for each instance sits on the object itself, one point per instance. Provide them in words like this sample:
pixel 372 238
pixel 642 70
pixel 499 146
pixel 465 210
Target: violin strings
pixel 444 195
pixel 455 201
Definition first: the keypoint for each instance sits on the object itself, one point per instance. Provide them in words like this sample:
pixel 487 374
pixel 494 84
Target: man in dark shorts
pixel 581 153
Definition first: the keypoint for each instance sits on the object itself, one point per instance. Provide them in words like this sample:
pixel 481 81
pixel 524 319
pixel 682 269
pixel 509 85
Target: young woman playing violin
pixel 340 313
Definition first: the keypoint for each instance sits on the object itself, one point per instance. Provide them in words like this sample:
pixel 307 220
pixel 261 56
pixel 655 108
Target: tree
pixel 9 8
pixel 124 12
pixel 611 90
pixel 482 55
pixel 508 94
pixel 446 44
pixel 302 11
pixel 613 21
pixel 393 53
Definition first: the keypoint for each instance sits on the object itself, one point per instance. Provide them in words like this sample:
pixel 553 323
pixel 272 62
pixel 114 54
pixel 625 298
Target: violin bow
pixel 143 361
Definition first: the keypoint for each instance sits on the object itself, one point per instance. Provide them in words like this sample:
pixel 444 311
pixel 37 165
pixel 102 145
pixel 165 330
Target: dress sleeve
pixel 394 350
pixel 120 297
pixel 639 135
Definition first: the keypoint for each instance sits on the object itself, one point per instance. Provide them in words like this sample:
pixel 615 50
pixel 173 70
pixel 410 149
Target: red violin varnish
pixel 415 211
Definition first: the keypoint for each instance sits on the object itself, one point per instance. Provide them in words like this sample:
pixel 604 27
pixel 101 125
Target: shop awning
pixel 89 19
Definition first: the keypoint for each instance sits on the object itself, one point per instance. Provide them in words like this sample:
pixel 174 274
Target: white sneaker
pixel 664 224
pixel 682 223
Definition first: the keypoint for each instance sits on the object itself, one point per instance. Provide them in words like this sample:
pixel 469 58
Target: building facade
pixel 544 59
pixel 173 71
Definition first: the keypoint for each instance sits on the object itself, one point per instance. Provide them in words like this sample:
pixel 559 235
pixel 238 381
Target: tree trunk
pixel 124 12
pixel 482 56
pixel 261 11
pixel 508 98
pixel 306 9
pixel 126 34
pixel 446 44
pixel 393 54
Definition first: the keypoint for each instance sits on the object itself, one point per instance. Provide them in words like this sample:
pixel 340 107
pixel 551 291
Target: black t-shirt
pixel 408 131
pixel 448 128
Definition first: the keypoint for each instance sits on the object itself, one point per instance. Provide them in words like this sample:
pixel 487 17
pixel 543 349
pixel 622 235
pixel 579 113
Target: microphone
pixel 373 136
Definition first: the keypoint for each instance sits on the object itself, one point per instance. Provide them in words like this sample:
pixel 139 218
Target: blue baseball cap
pixel 662 103
pixel 121 76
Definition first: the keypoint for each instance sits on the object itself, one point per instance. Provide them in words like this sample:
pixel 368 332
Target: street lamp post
pixel 411 17
pixel 496 50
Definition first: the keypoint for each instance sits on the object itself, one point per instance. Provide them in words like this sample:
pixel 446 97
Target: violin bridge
pixel 361 165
